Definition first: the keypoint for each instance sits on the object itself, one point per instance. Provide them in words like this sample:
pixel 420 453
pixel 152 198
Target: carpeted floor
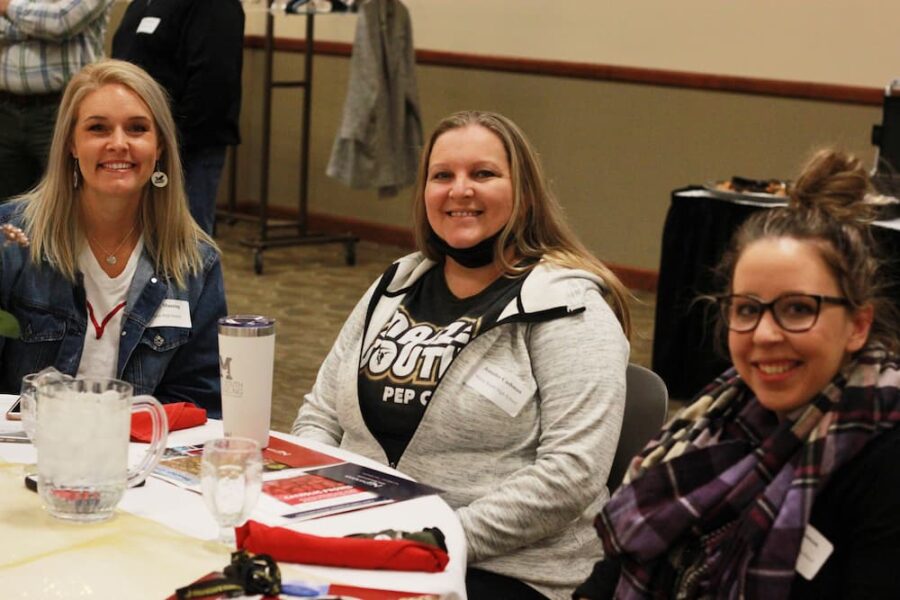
pixel 310 291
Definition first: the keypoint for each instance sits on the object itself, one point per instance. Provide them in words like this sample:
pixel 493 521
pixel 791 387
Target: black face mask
pixel 479 255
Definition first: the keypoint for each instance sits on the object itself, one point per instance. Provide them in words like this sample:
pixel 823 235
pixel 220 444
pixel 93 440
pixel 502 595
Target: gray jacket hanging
pixel 380 137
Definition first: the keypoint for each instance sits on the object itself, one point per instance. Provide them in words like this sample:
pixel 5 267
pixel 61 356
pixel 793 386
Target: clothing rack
pixel 294 232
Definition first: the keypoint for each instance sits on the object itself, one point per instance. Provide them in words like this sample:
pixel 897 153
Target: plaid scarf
pixel 716 506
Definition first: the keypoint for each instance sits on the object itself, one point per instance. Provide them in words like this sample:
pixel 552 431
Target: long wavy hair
pixel 51 209
pixel 536 227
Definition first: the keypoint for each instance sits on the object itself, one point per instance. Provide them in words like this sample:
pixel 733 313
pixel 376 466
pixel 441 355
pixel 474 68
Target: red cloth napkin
pixel 180 415
pixel 355 553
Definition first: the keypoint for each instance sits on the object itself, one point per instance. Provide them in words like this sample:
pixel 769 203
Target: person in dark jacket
pixel 781 480
pixel 194 49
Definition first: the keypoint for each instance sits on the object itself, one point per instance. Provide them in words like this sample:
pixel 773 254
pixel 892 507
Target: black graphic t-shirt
pixel 399 372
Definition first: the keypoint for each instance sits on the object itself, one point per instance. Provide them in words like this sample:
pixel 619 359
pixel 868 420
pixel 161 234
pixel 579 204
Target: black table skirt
pixel 697 232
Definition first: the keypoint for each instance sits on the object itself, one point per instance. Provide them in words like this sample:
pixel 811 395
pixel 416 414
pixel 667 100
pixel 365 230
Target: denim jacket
pixel 172 363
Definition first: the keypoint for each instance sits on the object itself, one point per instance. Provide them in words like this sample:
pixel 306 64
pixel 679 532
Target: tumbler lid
pixel 246 325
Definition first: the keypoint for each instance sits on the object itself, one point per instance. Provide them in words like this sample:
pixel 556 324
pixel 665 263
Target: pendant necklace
pixel 111 256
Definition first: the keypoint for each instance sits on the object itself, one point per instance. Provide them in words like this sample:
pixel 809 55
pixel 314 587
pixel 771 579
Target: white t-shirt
pixel 105 297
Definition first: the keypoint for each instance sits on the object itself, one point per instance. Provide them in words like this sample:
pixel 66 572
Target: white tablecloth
pixel 184 512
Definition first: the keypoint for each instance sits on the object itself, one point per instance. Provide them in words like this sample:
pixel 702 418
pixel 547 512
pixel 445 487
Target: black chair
pixel 886 139
pixel 646 403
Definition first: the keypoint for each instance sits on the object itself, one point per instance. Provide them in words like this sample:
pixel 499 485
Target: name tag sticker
pixel 814 551
pixel 172 313
pixel 507 391
pixel 148 25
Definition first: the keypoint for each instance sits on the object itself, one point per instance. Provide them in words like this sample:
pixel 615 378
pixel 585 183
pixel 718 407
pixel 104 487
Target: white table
pixel 102 560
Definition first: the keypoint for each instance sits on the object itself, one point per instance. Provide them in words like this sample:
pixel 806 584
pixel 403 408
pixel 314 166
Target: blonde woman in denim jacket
pixel 118 280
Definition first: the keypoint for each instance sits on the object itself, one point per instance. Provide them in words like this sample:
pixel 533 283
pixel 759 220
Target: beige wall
pixel 613 151
pixel 851 42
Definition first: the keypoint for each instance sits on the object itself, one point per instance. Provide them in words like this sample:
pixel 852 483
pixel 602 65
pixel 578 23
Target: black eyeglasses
pixel 793 312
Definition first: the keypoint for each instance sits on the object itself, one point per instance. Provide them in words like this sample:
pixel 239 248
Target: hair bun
pixel 833 182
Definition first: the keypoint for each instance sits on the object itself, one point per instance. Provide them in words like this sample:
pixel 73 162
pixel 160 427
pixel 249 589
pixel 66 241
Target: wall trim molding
pixel 824 92
pixel 634 278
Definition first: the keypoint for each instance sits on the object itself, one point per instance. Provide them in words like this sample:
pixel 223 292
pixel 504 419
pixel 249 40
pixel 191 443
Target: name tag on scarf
pixel 814 551
pixel 505 390
pixel 172 313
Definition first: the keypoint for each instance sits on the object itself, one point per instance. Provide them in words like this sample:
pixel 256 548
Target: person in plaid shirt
pixel 43 43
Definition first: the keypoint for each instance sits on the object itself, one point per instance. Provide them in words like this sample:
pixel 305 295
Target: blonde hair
pixel 52 222
pixel 536 227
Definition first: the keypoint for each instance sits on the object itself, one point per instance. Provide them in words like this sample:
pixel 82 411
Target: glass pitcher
pixel 83 426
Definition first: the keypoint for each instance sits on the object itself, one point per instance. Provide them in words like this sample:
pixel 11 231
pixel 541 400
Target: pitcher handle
pixel 159 437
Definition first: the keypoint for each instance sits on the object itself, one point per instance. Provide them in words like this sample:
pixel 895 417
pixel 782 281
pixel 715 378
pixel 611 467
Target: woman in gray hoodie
pixel 490 364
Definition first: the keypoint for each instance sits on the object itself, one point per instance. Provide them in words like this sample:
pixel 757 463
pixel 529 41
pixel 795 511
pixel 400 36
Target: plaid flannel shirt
pixel 43 43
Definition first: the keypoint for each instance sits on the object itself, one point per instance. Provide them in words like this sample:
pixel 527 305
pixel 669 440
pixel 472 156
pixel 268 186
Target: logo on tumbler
pixel 225 367
pixel 229 386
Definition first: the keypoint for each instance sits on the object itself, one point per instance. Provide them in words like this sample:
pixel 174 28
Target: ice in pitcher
pixel 86 437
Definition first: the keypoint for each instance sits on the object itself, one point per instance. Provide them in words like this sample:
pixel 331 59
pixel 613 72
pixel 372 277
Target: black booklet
pixel 384 484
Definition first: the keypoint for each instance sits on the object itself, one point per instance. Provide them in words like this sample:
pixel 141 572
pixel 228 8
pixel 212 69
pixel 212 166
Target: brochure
pixel 282 454
pixel 299 483
pixel 180 465
pixel 298 497
pixel 389 486
pixel 305 489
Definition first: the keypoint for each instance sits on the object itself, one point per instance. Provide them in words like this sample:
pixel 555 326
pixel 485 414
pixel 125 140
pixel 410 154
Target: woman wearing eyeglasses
pixel 782 479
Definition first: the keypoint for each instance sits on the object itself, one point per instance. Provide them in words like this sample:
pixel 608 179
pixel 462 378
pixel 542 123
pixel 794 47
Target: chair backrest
pixel 646 402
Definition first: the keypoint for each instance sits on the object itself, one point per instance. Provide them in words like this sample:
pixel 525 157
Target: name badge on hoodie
pixel 172 313
pixel 507 391
pixel 148 25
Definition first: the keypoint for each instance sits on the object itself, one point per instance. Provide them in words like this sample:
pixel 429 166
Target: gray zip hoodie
pixel 521 430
